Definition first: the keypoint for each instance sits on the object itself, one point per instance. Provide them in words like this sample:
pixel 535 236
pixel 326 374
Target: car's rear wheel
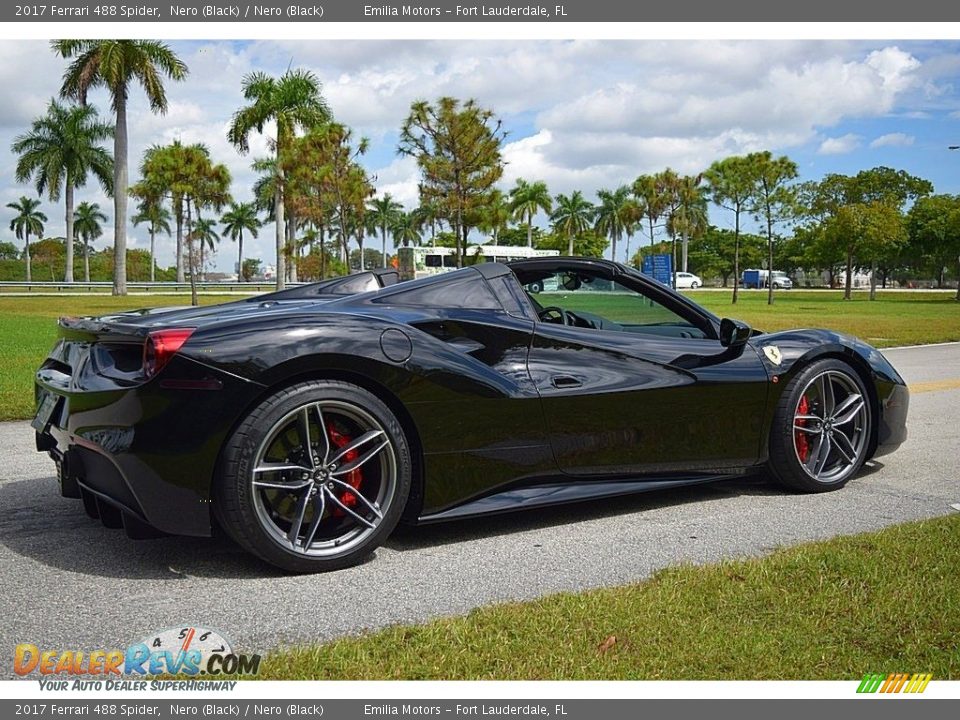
pixel 315 478
pixel 694 285
pixel 821 432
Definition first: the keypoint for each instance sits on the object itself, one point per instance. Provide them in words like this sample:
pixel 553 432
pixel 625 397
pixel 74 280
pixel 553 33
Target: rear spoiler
pixel 105 329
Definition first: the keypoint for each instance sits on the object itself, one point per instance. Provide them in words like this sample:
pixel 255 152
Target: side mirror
pixel 734 333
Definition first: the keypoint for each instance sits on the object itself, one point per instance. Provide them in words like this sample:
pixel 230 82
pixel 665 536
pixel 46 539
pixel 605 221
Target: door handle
pixel 562 382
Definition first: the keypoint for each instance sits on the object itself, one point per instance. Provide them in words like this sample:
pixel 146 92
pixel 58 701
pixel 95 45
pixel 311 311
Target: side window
pixel 599 304
pixel 432 261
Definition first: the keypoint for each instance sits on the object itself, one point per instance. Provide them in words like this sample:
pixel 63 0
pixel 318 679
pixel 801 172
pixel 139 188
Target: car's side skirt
pixel 541 495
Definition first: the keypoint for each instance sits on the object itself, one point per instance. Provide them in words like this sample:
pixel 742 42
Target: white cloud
pixel 839 145
pixel 581 114
pixel 897 139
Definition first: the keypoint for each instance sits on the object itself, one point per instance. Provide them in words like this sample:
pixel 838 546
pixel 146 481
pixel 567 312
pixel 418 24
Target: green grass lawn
pixel 28 324
pixel 28 329
pixel 879 602
pixel 895 318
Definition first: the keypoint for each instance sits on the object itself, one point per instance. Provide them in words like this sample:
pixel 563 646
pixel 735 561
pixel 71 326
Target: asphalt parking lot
pixel 69 583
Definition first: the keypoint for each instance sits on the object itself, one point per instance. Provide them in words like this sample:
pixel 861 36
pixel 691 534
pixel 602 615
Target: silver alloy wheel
pixel 305 475
pixel 831 426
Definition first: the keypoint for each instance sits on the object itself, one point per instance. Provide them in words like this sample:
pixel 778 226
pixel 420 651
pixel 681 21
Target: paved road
pixel 70 583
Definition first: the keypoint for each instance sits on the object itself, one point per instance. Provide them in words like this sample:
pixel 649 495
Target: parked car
pixel 688 281
pixel 759 279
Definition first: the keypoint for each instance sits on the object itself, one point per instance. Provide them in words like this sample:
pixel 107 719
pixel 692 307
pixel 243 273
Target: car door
pixel 640 384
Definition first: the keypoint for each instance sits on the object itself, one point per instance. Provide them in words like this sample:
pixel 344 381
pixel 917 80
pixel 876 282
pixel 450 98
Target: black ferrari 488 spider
pixel 307 423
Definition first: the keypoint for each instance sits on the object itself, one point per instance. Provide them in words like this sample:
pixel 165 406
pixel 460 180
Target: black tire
pixel 807 422
pixel 694 285
pixel 253 516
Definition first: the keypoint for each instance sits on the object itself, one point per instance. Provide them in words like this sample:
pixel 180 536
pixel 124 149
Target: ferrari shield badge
pixel 773 354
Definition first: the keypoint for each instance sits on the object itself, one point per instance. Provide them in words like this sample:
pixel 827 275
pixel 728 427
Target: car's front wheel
pixel 821 431
pixel 314 478
pixel 694 285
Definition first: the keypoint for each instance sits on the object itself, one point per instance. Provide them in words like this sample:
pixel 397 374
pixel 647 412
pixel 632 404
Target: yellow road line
pixel 934 385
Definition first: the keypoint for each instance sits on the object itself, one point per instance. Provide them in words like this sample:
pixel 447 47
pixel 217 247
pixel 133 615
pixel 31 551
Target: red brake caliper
pixel 352 478
pixel 803 444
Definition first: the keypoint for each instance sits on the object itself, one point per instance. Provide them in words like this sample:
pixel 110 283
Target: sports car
pixel 309 422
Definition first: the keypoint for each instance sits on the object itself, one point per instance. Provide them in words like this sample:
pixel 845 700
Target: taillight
pixel 161 346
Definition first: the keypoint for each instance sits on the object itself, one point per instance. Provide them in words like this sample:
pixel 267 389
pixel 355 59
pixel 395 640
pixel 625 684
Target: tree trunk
pixel 86 259
pixel 769 259
pixel 686 243
pixel 292 245
pixel 193 270
pixel 457 239
pixel 529 230
pixel 26 255
pixel 323 256
pixel 849 280
pixel 180 276
pixel 570 243
pixel 68 197
pixel 873 280
pixel 736 257
pixel 120 197
pixel 673 263
pixel 613 247
pixel 383 243
pixel 281 229
pixel 153 263
pixel 240 257
pixel 360 245
pixel 958 279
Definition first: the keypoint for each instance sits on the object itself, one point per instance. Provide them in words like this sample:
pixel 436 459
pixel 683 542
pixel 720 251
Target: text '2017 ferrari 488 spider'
pixel 308 422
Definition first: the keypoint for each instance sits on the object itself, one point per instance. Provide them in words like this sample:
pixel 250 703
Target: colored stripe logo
pixel 894 683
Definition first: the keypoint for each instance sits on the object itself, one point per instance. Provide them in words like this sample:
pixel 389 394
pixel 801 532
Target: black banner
pixel 578 11
pixel 286 709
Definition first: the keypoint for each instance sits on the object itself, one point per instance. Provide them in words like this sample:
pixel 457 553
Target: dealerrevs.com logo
pixel 190 651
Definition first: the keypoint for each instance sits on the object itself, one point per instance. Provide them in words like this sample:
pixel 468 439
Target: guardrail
pixel 155 287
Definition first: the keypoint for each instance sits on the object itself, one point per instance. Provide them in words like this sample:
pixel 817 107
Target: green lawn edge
pixel 880 602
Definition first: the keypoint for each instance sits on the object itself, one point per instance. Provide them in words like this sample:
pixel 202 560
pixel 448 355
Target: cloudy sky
pixel 580 114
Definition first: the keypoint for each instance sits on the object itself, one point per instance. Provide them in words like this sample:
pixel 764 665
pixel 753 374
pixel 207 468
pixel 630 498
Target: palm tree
pixel 28 221
pixel 61 148
pixel 163 172
pixel 617 214
pixel 204 231
pixel 406 229
pixel 526 200
pixel 732 184
pixel 157 218
pixel 294 102
pixel 653 197
pixel 688 218
pixel 494 215
pixel 115 64
pixel 86 221
pixel 428 214
pixel 240 217
pixel 572 216
pixel 383 214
